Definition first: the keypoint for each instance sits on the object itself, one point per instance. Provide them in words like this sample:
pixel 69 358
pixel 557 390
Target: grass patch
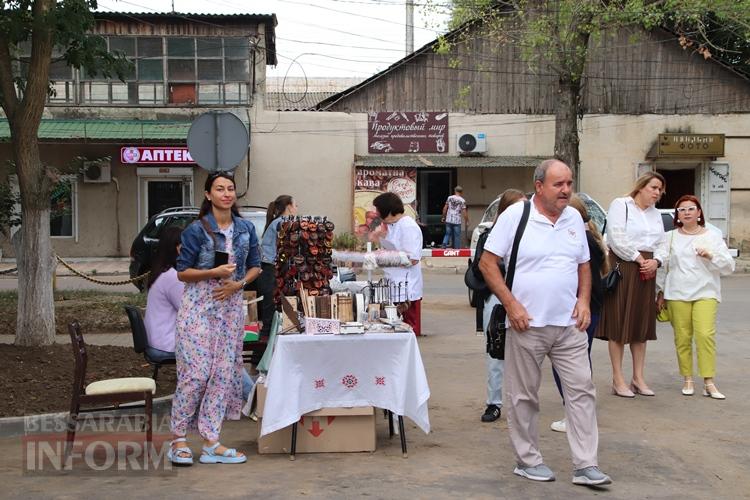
pixel 96 311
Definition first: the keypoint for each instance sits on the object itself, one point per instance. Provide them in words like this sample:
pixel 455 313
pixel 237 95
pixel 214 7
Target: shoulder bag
pixel 496 329
pixel 610 281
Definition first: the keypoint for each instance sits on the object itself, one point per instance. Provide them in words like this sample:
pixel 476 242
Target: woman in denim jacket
pixel 210 322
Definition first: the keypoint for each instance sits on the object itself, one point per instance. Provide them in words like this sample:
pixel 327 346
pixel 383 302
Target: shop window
pixel 181 47
pixel 182 93
pixel 152 93
pixel 209 47
pixel 150 70
pixel 236 48
pixel 59 70
pixel 150 47
pixel 120 93
pixel 174 70
pixel 62 208
pixel 95 92
pixel 62 92
pixel 181 69
pixel 123 45
pixel 209 94
pixel 237 70
pixel 209 70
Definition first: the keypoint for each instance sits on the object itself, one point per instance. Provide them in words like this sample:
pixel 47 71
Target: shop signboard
pixel 371 182
pixel 691 144
pixel 407 132
pixel 156 155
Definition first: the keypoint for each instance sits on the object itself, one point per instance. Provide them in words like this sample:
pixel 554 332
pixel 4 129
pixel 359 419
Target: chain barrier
pixel 101 282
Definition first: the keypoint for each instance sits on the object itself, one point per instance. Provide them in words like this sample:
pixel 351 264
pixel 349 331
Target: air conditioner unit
pixel 471 142
pixel 97 171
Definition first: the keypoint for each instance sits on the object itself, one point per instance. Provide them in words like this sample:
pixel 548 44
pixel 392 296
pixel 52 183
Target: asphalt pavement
pixel 667 446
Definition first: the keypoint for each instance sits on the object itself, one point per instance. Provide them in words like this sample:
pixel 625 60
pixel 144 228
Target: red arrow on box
pixel 316 430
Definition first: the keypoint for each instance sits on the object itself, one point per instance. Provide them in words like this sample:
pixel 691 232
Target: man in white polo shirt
pixel 548 313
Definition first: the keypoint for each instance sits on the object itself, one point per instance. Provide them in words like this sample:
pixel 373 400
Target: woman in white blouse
pixel 635 236
pixel 400 232
pixel 690 289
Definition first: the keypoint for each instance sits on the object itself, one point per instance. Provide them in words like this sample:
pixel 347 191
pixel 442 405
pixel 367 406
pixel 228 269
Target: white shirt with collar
pixel 546 277
pixel 642 232
pixel 406 236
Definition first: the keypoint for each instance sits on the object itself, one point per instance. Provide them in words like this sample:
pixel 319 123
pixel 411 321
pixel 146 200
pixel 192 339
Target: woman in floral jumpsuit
pixel 210 323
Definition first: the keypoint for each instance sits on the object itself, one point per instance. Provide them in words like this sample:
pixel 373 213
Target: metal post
pixel 409 26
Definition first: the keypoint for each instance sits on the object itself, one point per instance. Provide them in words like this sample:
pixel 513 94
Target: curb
pixel 11 427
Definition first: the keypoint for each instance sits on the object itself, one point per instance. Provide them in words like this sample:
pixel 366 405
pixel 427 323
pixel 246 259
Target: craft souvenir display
pixel 304 248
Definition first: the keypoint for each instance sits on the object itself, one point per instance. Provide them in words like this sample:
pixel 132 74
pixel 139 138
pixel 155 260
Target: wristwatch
pixel 242 284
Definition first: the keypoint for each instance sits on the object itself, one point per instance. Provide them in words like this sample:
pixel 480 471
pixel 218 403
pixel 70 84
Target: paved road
pixel 669 446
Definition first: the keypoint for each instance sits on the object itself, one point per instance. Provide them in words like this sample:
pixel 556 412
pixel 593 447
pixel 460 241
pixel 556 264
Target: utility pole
pixel 409 26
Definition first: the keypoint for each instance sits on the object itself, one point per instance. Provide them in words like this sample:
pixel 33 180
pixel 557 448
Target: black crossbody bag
pixel 496 329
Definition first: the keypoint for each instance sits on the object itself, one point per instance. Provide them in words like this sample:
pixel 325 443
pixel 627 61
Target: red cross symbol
pixel 320 383
pixel 379 380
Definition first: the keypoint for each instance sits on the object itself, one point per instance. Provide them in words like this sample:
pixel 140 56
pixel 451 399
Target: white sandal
pixel 713 394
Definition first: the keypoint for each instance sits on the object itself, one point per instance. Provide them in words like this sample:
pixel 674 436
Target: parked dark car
pixel 144 246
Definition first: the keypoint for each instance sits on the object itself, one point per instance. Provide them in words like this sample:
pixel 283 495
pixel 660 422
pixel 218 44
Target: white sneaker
pixel 559 425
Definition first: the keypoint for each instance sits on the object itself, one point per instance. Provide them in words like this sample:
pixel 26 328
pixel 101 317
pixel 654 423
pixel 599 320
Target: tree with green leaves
pixel 49 27
pixel 558 35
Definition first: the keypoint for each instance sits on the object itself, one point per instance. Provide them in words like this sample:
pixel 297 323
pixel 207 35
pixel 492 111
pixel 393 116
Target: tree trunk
pixel 35 320
pixel 566 124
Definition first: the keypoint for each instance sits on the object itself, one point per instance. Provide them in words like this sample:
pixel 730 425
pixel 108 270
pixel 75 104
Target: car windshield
pixel 491 212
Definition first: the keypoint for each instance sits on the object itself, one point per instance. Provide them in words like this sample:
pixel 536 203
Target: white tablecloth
pixel 310 372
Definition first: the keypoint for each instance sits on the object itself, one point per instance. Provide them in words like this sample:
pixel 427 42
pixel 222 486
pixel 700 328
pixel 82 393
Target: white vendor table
pixel 310 372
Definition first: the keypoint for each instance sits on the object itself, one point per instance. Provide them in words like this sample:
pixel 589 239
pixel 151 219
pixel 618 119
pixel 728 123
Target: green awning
pixel 99 130
pixel 446 161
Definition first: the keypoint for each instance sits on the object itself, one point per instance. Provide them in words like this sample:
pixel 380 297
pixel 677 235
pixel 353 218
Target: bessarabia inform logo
pixel 103 445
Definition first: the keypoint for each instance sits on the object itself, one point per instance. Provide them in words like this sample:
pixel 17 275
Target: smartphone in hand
pixel 220 258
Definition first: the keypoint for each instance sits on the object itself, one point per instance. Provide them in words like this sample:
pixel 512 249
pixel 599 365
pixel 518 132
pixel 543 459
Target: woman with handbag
pixel 495 367
pixel 690 291
pixel 635 235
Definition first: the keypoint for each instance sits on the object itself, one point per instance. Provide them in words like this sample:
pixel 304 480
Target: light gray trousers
pixel 524 354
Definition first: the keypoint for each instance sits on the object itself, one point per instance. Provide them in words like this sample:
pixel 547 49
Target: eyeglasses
pixel 682 210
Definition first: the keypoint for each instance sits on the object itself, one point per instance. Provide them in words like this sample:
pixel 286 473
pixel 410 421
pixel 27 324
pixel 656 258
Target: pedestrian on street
pixel 400 232
pixel 495 367
pixel 635 235
pixel 597 252
pixel 548 313
pixel 690 288
pixel 218 257
pixel 454 212
pixel 284 205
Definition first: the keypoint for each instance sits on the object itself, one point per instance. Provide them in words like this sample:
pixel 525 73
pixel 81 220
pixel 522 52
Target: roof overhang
pixel 105 130
pixel 428 161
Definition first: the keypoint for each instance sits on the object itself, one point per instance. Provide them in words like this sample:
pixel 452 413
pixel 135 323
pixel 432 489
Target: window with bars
pixel 165 70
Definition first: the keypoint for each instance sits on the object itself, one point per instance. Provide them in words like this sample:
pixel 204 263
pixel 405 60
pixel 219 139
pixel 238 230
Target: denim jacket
pixel 198 247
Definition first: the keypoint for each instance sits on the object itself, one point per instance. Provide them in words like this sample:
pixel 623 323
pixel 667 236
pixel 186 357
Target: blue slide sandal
pixel 209 456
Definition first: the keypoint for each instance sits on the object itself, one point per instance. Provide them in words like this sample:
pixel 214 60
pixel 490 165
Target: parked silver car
pixel 595 210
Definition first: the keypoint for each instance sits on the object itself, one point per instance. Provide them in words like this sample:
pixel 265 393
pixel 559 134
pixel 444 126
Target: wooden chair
pixel 113 391
pixel 140 341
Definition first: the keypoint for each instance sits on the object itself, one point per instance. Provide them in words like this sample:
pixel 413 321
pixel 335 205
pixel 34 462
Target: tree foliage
pixel 557 35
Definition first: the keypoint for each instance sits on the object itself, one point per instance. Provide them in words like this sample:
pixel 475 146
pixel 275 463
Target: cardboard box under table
pixel 321 431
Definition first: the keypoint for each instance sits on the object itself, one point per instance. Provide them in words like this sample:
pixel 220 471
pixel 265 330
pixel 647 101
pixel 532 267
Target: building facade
pixel 121 145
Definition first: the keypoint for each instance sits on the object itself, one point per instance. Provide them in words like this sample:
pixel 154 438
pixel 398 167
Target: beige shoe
pixel 710 391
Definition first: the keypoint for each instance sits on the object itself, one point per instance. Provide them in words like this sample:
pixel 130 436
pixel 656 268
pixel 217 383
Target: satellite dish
pixel 218 141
